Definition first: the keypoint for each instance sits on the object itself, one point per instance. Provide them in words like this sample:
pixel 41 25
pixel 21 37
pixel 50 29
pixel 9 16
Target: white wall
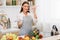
pixel 48 11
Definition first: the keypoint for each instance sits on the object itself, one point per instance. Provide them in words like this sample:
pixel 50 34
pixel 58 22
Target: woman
pixel 25 20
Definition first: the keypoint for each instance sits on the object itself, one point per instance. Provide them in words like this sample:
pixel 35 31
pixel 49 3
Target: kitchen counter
pixel 15 30
pixel 57 37
pixel 11 30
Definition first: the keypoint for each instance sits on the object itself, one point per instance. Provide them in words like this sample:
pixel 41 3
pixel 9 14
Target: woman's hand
pixel 4 27
pixel 34 8
pixel 19 23
pixel 34 11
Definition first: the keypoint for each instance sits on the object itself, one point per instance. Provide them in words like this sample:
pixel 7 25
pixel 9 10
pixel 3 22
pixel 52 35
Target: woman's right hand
pixel 19 23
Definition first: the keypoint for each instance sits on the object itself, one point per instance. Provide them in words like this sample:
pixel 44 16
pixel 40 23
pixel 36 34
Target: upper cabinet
pixel 15 2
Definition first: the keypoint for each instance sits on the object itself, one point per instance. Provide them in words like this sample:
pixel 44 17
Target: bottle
pixel 13 2
pixel 0 3
pixel 9 23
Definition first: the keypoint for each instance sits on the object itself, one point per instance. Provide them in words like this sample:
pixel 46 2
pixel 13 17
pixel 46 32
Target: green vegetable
pixel 37 36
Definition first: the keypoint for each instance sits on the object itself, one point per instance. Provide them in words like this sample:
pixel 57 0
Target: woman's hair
pixel 54 27
pixel 25 2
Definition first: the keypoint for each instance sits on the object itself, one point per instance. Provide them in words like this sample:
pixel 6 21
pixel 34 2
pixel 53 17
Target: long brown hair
pixel 25 2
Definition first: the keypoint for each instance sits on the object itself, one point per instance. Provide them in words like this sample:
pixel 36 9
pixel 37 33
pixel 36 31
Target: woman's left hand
pixel 34 11
pixel 34 8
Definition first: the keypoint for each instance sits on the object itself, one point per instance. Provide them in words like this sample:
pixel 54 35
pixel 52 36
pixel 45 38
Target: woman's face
pixel 25 7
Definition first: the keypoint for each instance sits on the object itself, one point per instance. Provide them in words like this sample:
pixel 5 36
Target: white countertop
pixel 57 37
pixel 9 30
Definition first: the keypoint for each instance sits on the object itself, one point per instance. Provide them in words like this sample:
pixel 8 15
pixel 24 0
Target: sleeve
pixel 15 20
pixel 20 17
pixel 34 19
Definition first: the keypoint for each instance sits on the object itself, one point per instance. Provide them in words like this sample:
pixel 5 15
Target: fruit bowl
pixel 10 36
